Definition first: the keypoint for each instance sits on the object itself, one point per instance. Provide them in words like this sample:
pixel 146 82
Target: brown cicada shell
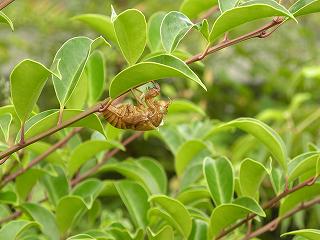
pixel 146 115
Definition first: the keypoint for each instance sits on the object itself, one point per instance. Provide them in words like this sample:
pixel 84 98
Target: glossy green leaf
pixel 191 176
pixel 263 133
pixel 5 122
pixel 250 177
pixel 140 172
pixel 131 31
pixel 4 19
pixel 226 214
pixel 193 194
pixel 225 5
pixel 40 147
pixel 50 121
pixel 192 151
pixel 135 199
pixel 277 180
pixel 159 67
pixel 203 28
pixel 176 210
pixel 193 8
pixel 184 106
pixel 220 179
pixel 310 234
pixel 174 27
pixel 165 233
pixel 68 211
pixel 88 190
pixel 247 12
pixel 70 61
pixel 27 81
pixel 26 181
pixel 199 230
pixel 87 150
pixel 297 197
pixel 13 229
pixel 44 218
pixel 96 75
pixel 301 164
pixel 118 231
pixel 153 32
pixel 8 197
pixel 81 237
pixel 304 7
pixel 100 23
pixel 56 186
pixel 79 96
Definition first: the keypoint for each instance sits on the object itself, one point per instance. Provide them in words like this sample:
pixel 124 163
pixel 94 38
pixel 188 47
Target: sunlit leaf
pixel 304 7
pixel 4 19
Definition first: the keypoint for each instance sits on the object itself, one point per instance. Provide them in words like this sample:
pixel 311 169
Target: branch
pixel 271 226
pixel 51 131
pixel 5 3
pixel 13 216
pixel 106 157
pixel 268 205
pixel 259 33
pixel 38 159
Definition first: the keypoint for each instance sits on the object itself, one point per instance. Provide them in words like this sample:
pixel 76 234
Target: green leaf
pixel 304 7
pixel 88 190
pixel 13 229
pixel 159 67
pixel 131 31
pixel 193 8
pixel 193 194
pixel 165 233
pixel 56 186
pixel 199 230
pixel 153 32
pixel 250 177
pixel 44 218
pixel 40 147
pixel 277 180
pixel 70 61
pixel 225 5
pixel 140 172
pixel 176 210
pixel 310 234
pixel 184 106
pixel 27 81
pixel 247 12
pixel 5 19
pixel 5 122
pixel 96 76
pixel 303 163
pixel 135 199
pixel 81 237
pixel 192 151
pixel 87 150
pixel 226 214
pixel 44 123
pixel 8 197
pixel 100 23
pixel 263 133
pixel 79 95
pixel 26 181
pixel 68 211
pixel 220 179
pixel 298 197
pixel 174 27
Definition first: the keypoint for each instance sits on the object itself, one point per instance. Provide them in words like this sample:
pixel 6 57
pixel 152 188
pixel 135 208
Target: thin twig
pixel 51 131
pixel 106 157
pixel 5 3
pixel 267 205
pixel 271 226
pixel 42 156
pixel 13 216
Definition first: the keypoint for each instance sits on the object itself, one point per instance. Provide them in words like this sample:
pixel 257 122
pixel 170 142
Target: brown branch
pixel 13 216
pixel 42 156
pixel 259 33
pixel 268 205
pixel 106 157
pixel 271 226
pixel 51 131
pixel 5 3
